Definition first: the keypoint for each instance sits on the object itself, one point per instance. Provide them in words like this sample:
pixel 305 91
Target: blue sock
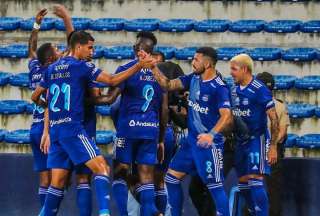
pixel 53 200
pixel 120 194
pixel 147 200
pixel 246 193
pixel 259 196
pixel 161 200
pixel 103 194
pixel 84 199
pixel 175 194
pixel 220 198
pixel 42 195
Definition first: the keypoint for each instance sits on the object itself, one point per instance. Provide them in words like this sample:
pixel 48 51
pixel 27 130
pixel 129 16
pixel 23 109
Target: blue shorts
pixel 140 151
pixel 251 158
pixel 39 158
pixel 65 153
pixel 169 150
pixel 206 162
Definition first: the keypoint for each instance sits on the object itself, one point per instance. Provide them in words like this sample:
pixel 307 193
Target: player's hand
pixel 272 155
pixel 160 152
pixel 205 140
pixel 60 11
pixel 45 143
pixel 40 15
pixel 146 60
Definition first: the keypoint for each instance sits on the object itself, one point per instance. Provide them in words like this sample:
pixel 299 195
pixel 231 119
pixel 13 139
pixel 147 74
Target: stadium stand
pixel 137 25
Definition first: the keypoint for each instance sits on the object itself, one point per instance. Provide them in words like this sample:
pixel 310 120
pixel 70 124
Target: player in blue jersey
pixel 66 81
pixel 252 103
pixel 39 61
pixel 209 115
pixel 140 129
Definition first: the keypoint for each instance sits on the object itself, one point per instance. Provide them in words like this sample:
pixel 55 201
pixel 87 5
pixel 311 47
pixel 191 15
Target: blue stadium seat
pixel 283 26
pixel 186 53
pixel 98 52
pixel 291 141
pixel 104 137
pixel 29 108
pixel 137 25
pixel 309 141
pixel 18 137
pixel 212 25
pixel 107 24
pixel 300 110
pixel 167 51
pixel 79 23
pixel 226 53
pixel 20 80
pixel 9 107
pixel 308 83
pixel 4 78
pixel 284 82
pixel 119 52
pixel 247 26
pixel 103 110
pixel 176 25
pixel 317 112
pixel 46 24
pixel 299 54
pixel 62 47
pixel 229 81
pixel 2 134
pixel 9 23
pixel 265 54
pixel 15 51
pixel 312 26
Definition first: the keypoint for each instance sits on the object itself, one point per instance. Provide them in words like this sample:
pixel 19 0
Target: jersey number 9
pixel 147 93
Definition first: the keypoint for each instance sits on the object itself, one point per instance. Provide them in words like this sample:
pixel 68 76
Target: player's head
pixel 241 66
pixel 204 58
pixel 267 79
pixel 47 54
pixel 81 44
pixel 159 56
pixel 145 41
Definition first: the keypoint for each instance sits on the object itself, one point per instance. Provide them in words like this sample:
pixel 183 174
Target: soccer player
pixel 252 102
pixel 209 115
pixel 39 61
pixel 139 132
pixel 66 81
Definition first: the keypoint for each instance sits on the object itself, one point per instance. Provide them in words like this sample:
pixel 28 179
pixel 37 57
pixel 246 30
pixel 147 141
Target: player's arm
pixel 45 139
pixel 36 96
pixel 60 11
pixel 274 126
pixel 225 121
pixel 164 112
pixel 165 83
pixel 283 125
pixel 33 39
pixel 109 98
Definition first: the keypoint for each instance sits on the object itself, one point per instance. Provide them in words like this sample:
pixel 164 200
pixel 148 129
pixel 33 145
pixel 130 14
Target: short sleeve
pixel 186 80
pixel 224 98
pixel 92 71
pixel 44 83
pixel 265 98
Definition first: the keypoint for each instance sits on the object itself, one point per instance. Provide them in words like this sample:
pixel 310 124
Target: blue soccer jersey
pixel 251 103
pixel 205 100
pixel 67 80
pixel 35 74
pixel 141 98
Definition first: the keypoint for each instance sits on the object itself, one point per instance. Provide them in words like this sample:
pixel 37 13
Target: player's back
pixel 251 103
pixel 141 98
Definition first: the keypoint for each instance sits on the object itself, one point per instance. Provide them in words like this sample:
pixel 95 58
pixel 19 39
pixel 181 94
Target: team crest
pixel 205 98
pixel 245 101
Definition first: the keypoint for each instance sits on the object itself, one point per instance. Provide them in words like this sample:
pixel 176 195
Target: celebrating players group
pixel 147 166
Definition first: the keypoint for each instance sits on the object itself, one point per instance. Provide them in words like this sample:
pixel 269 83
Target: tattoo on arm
pixel 274 126
pixel 32 44
pixel 165 83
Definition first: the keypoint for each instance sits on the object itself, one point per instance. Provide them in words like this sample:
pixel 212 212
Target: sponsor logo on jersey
pixel 120 142
pixel 60 121
pixel 196 107
pixel 36 77
pixel 255 167
pixel 134 123
pixel 241 113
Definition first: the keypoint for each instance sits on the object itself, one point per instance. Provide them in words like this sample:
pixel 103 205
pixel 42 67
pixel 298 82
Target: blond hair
pixel 243 60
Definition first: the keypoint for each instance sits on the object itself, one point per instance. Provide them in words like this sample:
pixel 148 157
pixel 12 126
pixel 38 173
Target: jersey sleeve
pixel 186 80
pixel 92 71
pixel 265 98
pixel 224 98
pixel 44 83
pixel 34 64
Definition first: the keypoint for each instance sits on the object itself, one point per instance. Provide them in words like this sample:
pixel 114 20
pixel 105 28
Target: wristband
pixel 36 26
pixel 213 133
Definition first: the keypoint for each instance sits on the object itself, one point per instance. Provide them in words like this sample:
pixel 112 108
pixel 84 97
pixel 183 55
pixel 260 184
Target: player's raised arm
pixel 36 96
pixel 165 83
pixel 33 39
pixel 60 11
